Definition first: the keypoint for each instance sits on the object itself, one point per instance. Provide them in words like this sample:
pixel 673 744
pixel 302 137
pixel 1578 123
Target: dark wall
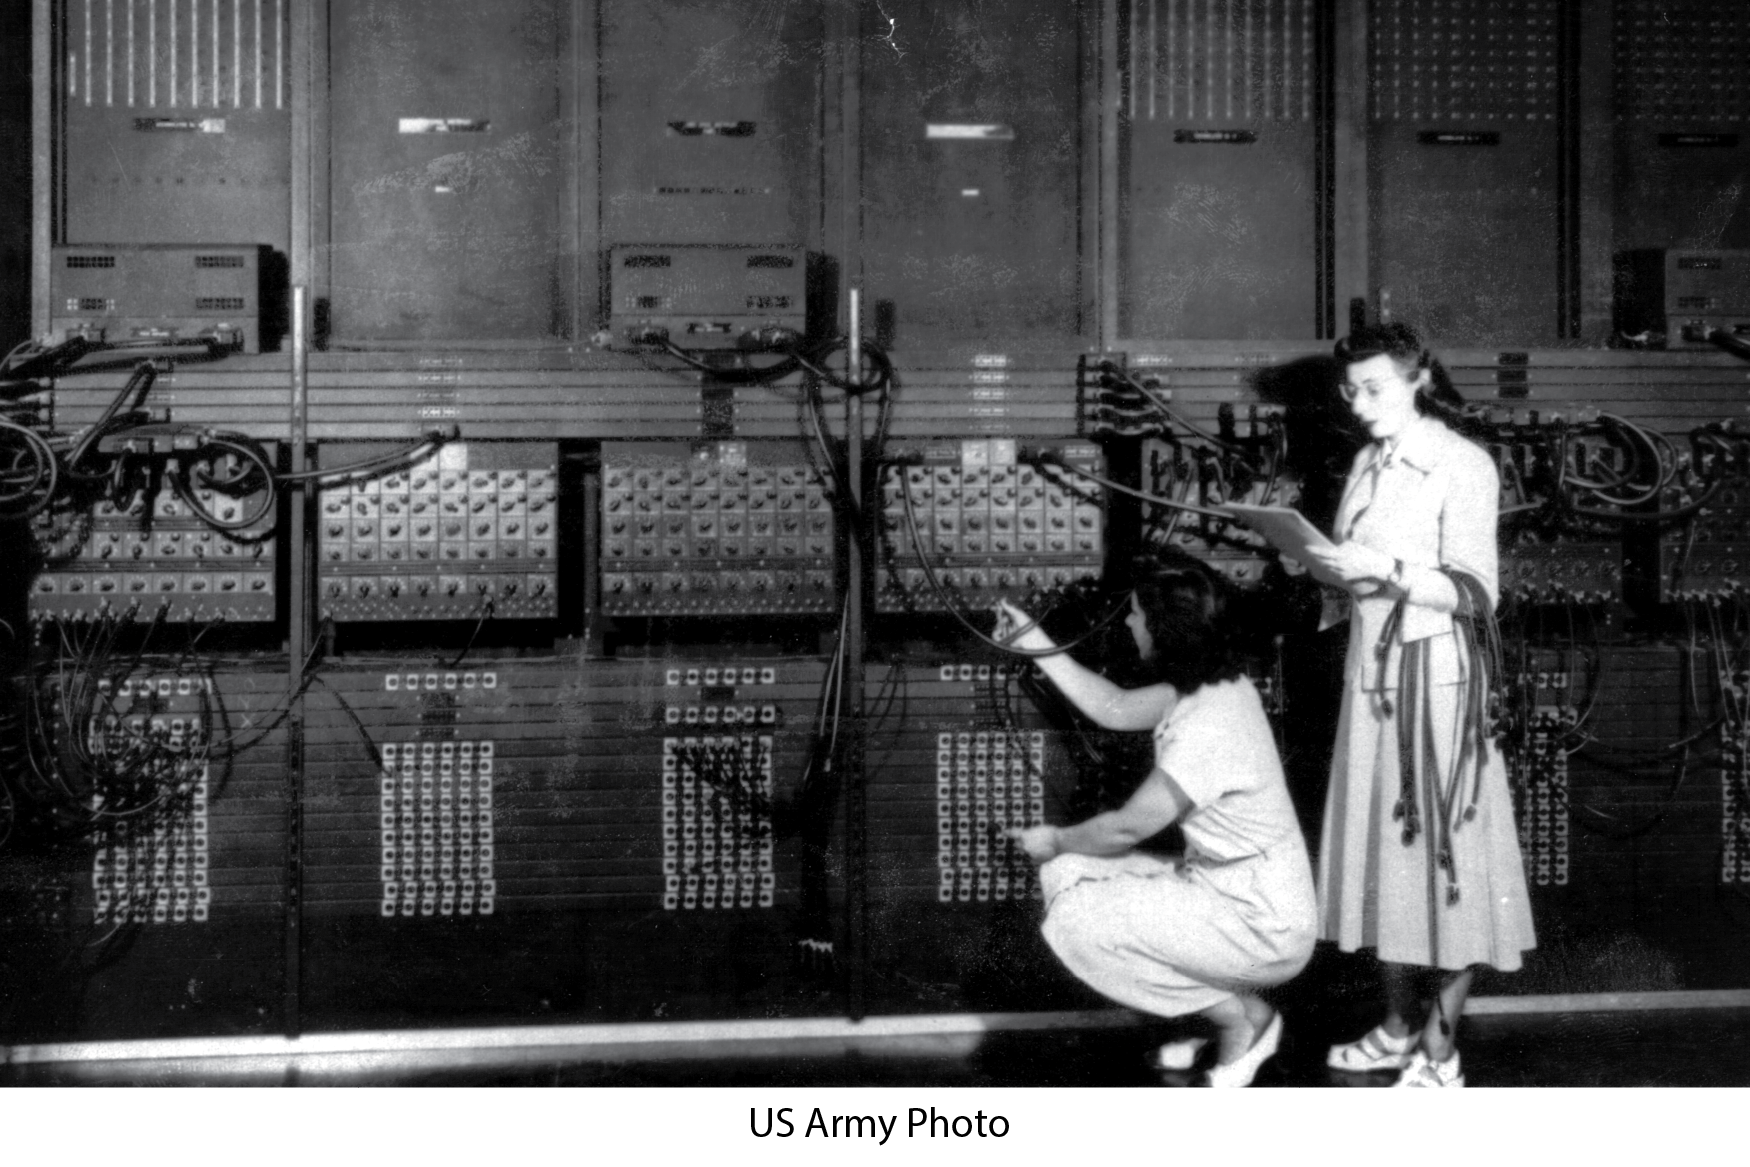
pixel 14 177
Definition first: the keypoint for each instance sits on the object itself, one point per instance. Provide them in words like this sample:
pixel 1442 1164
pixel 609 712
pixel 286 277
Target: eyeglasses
pixel 1351 391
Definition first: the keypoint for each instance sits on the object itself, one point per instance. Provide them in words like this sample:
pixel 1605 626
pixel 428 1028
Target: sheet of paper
pixel 1285 528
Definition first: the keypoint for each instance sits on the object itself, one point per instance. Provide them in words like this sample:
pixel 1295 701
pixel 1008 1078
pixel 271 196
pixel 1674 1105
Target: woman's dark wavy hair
pixel 1404 346
pixel 1189 611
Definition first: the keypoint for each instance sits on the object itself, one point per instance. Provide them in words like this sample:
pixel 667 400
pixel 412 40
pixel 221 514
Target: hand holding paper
pixel 1359 569
pixel 1288 532
pixel 1298 540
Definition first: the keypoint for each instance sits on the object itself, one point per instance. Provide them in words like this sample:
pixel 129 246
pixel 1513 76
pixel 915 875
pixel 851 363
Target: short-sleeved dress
pixel 1432 502
pixel 1236 914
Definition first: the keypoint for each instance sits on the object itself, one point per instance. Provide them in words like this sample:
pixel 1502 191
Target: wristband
pixel 1396 578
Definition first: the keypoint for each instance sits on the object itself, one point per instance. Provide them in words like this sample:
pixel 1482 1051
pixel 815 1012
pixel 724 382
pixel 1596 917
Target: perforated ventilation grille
pixel 91 261
pixel 1682 60
pixel 1463 61
pixel 1237 60
pixel 218 261
pixel 218 304
pixel 178 56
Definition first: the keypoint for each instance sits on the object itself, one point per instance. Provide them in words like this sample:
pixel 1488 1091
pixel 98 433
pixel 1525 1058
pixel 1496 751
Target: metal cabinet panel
pixel 1466 224
pixel 971 134
pixel 450 165
pixel 710 121
pixel 1219 231
pixel 176 121
pixel 1682 97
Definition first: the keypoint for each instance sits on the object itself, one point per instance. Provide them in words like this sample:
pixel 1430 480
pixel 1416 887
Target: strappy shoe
pixel 1244 1068
pixel 1179 1055
pixel 1378 1050
pixel 1425 1071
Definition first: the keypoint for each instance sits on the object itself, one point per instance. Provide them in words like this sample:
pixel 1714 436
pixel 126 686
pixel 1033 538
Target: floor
pixel 1671 1048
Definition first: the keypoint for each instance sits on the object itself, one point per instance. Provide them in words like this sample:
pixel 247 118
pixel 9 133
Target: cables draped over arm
pixel 1447 796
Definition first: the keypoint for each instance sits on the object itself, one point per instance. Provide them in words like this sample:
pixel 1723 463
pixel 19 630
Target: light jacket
pixel 1433 502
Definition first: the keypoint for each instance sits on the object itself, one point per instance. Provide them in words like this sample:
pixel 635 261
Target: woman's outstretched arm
pixel 1157 804
pixel 1107 705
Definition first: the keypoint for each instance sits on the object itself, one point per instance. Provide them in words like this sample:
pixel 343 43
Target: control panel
pixel 466 532
pixel 1201 475
pixel 1735 797
pixel 1538 567
pixel 152 556
pixel 983 522
pixel 1539 769
pixel 715 529
pixel 153 867
pixel 1708 555
pixel 1555 558
pixel 1687 293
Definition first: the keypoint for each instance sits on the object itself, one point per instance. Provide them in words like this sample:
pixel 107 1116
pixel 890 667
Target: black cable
pixel 256 469
pixel 371 749
pixel 733 375
pixel 132 394
pixel 486 612
pixel 381 463
pixel 306 677
pixel 1147 391
pixel 1736 345
pixel 1157 500
pixel 23 494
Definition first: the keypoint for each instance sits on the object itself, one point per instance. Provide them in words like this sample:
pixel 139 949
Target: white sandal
pixel 1377 1050
pixel 1425 1071
pixel 1244 1068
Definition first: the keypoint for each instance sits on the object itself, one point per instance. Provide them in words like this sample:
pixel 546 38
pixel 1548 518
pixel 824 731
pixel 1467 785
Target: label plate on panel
pixel 443 125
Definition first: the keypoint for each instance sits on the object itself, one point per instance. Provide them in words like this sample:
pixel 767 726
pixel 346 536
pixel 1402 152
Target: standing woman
pixel 1419 858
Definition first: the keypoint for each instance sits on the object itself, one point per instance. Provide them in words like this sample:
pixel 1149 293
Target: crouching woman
pixel 1203 933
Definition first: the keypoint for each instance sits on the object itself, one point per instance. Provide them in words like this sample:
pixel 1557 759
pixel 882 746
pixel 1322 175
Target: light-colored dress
pixel 1236 914
pixel 1433 502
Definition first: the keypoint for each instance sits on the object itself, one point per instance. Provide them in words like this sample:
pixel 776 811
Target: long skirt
pixel 1377 891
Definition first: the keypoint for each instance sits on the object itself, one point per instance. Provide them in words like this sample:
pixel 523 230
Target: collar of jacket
pixel 1419 446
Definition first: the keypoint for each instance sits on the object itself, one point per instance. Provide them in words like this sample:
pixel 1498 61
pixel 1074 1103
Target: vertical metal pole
pixel 43 153
pixel 1109 173
pixel 856 802
pixel 1350 66
pixel 298 604
pixel 298 644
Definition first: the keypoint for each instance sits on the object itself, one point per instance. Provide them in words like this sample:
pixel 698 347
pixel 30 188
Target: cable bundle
pixel 91 765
